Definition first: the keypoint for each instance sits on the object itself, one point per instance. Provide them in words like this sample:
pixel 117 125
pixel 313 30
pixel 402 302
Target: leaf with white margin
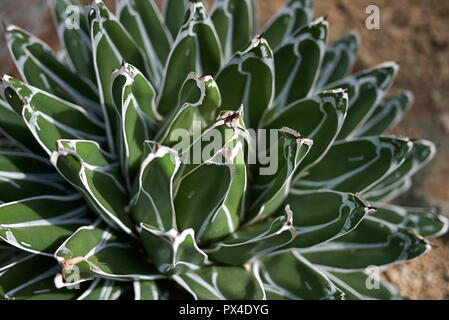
pixel 297 63
pixel 366 90
pixel 222 283
pixel 112 45
pixel 362 286
pixel 422 152
pixel 298 279
pixel 159 290
pixel 391 192
pixel 38 66
pixel 144 22
pixel 319 118
pixel 50 118
pixel 338 60
pixel 95 251
pixel 10 256
pixel 386 115
pixel 373 243
pixel 234 21
pixel 134 98
pixel 40 224
pixel 254 241
pixel 271 185
pixel 95 174
pixel 152 201
pixel 248 80
pixel 196 49
pixel 356 165
pixel 24 175
pixel 320 216
pixel 172 251
pixel 174 12
pixel 32 278
pixel 291 17
pixel 103 289
pixel 424 221
pixel 74 38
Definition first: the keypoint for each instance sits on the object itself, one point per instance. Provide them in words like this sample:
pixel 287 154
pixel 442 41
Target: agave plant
pixel 97 197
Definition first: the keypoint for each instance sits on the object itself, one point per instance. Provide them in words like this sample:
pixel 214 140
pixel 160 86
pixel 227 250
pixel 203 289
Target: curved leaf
pixel 174 15
pixel 102 289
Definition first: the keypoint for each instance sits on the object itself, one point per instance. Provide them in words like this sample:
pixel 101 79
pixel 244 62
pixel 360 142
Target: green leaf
pixel 174 15
pixel 171 251
pixel 318 118
pixel 10 256
pixel 271 184
pixel 254 241
pixel 289 276
pixel 338 60
pixel 102 289
pixel 74 38
pixel 94 251
pixel 373 243
pixel 38 66
pixel 25 175
pixel 421 153
pixel 248 80
pixel 234 21
pixel 360 286
pixel 146 290
pixel 48 117
pixel 154 206
pixel 134 99
pixel 294 15
pixel 159 290
pixel 386 115
pixel 424 221
pixel 320 216
pixel 41 224
pixel 196 49
pixel 221 283
pixel 95 174
pixel 356 165
pixel 297 63
pixel 365 90
pixel 144 23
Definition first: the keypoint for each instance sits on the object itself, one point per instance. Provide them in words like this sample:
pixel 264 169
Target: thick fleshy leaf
pixel 146 290
pixel 96 176
pixel 222 283
pixel 102 289
pixel 171 251
pixel 41 224
pixel 134 98
pixel 288 276
pixel 361 286
pixel 271 185
pixel 32 278
pixel 248 80
pixel 174 15
pixel 386 115
pixel 318 118
pixel 289 19
pixel 338 60
pixel 392 191
pixel 143 21
pixel 422 152
pixel 424 221
pixel 10 256
pixel 356 165
pixel 25 175
pixel 234 21
pixel 39 67
pixel 297 63
pixel 74 35
pixel 196 49
pixel 94 251
pixel 373 243
pixel 152 203
pixel 159 290
pixel 112 45
pixel 365 90
pixel 320 216
pixel 254 241
pixel 48 117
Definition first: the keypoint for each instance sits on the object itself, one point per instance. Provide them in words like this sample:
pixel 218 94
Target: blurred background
pixel 415 34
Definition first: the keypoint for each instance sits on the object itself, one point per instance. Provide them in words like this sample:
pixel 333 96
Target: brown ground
pixel 413 33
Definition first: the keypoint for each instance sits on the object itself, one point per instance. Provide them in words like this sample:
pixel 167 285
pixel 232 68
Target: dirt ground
pixel 413 33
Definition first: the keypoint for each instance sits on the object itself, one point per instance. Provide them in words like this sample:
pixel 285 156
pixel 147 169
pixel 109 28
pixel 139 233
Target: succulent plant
pixel 97 196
